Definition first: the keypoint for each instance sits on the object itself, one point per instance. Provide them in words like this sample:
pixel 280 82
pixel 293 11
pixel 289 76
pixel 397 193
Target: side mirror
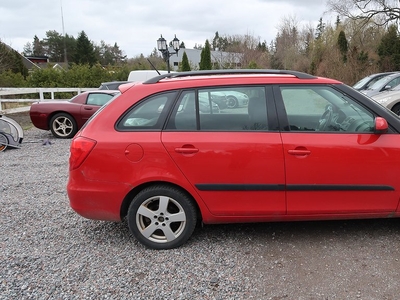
pixel 388 87
pixel 381 125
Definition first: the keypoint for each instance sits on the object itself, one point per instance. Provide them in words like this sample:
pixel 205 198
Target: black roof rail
pixel 299 75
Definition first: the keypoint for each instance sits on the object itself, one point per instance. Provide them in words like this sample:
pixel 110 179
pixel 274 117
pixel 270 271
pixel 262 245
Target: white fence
pixel 40 92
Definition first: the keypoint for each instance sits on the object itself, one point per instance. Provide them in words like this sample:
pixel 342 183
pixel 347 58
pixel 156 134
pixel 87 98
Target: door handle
pixel 87 108
pixel 299 152
pixel 186 150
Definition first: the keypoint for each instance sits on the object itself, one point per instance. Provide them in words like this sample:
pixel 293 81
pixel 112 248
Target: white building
pixel 221 60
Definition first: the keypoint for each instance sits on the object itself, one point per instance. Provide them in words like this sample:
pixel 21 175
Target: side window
pixel 98 99
pixel 393 83
pixel 149 113
pixel 236 108
pixel 322 108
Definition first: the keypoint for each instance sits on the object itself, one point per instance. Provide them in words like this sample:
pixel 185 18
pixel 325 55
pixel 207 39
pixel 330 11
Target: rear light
pixel 79 150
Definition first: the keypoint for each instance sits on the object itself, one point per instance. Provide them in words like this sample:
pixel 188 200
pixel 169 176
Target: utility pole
pixel 65 42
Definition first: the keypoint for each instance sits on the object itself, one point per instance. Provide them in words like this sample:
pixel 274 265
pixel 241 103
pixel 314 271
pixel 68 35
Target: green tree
pixel 37 47
pixel 11 60
pixel 185 66
pixel 205 57
pixel 109 55
pixel 53 46
pixel 11 79
pixel 262 46
pixel 215 42
pixel 389 50
pixel 85 53
pixel 320 29
pixel 343 45
pixel 338 21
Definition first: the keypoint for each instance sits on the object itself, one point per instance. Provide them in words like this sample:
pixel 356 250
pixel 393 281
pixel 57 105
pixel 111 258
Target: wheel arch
pixel 50 116
pixel 129 197
pixel 396 107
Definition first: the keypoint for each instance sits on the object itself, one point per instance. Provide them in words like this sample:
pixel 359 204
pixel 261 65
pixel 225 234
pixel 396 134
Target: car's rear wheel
pixel 232 102
pixel 162 217
pixel 3 142
pixel 63 126
pixel 396 109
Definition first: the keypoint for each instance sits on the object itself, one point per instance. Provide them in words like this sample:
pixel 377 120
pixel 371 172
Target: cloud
pixel 136 25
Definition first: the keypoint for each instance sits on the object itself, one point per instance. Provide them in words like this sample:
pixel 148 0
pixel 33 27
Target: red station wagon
pixel 304 148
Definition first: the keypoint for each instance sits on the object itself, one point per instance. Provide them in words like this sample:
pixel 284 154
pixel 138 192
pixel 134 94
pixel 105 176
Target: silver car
pixel 383 84
pixel 366 82
pixel 390 99
pixel 230 99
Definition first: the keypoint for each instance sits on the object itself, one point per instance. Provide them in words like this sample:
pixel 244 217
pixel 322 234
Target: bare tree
pixel 381 12
pixel 288 43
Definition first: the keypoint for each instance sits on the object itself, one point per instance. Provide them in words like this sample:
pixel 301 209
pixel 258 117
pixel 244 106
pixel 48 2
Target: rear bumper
pixel 96 200
pixel 39 120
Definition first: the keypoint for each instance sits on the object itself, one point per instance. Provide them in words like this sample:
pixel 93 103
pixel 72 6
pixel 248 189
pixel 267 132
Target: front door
pixel 335 164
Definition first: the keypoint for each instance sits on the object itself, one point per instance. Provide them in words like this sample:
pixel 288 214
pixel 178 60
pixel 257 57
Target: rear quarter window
pixel 149 113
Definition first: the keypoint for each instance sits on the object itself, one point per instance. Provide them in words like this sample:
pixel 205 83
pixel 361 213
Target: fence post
pixel 41 98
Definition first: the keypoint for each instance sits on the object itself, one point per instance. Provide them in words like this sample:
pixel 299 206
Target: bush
pixel 11 79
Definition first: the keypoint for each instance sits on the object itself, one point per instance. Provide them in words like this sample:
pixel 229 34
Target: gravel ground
pixel 49 252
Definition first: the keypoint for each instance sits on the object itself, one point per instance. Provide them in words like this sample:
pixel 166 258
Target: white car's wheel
pixel 232 102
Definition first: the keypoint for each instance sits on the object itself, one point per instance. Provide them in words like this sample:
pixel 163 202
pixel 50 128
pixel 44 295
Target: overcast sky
pixel 136 25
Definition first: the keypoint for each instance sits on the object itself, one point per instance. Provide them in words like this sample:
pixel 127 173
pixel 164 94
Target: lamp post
pixel 163 48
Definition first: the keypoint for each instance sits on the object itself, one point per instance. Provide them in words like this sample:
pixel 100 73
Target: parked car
pixel 65 118
pixel 113 85
pixel 143 75
pixel 366 82
pixel 385 83
pixel 305 148
pixel 230 99
pixel 390 99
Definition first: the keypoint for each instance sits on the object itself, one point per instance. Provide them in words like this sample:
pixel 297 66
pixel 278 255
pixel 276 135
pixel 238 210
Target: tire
pixel 232 102
pixel 396 109
pixel 63 126
pixel 3 142
pixel 154 226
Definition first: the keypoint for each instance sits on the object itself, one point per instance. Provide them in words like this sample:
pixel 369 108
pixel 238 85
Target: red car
pixel 304 148
pixel 65 118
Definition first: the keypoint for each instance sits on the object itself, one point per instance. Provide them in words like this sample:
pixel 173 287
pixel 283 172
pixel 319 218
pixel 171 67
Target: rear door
pixel 93 102
pixel 335 164
pixel 231 156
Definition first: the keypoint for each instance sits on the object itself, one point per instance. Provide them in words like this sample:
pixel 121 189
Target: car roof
pixel 380 74
pixel 243 72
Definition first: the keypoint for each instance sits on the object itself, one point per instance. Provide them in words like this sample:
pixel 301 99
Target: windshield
pixel 361 83
pixel 380 83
